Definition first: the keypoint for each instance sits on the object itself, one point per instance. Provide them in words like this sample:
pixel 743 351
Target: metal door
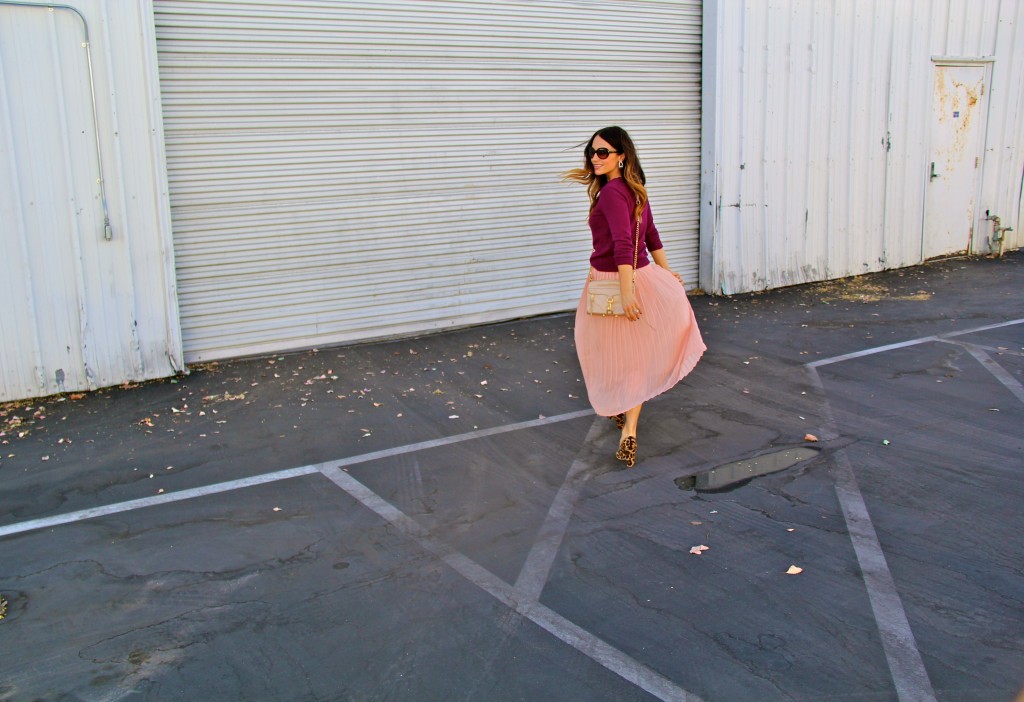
pixel 957 136
pixel 413 147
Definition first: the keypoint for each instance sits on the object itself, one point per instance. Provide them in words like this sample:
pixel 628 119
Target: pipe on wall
pixel 108 231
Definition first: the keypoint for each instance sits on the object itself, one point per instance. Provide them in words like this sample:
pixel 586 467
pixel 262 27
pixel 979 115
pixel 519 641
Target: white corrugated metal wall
pixel 816 143
pixel 81 311
pixel 345 170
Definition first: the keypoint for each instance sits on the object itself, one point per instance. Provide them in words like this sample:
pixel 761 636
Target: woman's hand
pixel 678 277
pixel 631 306
pixel 628 292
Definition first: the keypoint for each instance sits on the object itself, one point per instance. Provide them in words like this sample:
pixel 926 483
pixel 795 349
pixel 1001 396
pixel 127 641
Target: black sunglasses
pixel 601 153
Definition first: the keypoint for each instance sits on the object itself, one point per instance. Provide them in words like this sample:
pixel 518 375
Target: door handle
pixel 933 174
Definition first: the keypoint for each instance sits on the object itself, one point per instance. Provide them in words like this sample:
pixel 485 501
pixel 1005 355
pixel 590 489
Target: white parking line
pixel 178 496
pixel 989 363
pixel 535 571
pixel 579 638
pixel 523 598
pixel 912 342
pixel 901 653
pixel 116 508
pixel 904 658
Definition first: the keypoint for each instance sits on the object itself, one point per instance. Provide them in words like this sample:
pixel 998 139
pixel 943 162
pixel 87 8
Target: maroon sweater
pixel 614 230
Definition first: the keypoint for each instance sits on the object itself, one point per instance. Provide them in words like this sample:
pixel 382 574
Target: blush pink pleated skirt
pixel 626 363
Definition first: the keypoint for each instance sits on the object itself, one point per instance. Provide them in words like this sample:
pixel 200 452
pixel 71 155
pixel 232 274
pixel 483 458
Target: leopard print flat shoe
pixel 620 420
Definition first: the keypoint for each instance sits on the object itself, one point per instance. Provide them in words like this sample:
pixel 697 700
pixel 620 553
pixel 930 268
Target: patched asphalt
pixel 442 518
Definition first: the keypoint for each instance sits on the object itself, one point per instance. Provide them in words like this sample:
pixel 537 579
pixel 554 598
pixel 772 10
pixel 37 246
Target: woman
pixel 627 360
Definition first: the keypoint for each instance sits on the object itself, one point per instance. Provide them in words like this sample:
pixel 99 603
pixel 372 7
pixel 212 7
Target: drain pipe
pixel 108 232
pixel 998 234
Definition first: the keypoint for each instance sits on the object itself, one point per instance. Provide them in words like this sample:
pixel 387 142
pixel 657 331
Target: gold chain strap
pixel 636 246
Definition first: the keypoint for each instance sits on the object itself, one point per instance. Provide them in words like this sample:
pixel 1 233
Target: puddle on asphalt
pixel 733 475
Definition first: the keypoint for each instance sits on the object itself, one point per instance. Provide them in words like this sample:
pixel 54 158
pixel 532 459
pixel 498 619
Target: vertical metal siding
pixel 40 125
pixel 86 312
pixel 350 170
pixel 1003 176
pixel 822 133
pixel 803 109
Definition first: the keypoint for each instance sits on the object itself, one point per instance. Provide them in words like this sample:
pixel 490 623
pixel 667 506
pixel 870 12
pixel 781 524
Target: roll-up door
pixel 345 171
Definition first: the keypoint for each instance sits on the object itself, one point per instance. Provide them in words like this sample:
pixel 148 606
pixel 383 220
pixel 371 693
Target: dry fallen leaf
pixel 810 437
pixel 794 570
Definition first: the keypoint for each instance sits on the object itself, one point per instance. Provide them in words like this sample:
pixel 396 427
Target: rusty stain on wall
pixel 952 94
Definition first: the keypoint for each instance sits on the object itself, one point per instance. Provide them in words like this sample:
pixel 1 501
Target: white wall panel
pixel 1003 175
pixel 83 311
pixel 819 165
pixel 350 170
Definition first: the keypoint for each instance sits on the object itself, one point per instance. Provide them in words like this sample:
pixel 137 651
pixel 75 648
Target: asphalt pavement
pixel 827 508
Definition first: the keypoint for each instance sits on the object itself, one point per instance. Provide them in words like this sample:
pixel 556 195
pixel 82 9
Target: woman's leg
pixel 632 418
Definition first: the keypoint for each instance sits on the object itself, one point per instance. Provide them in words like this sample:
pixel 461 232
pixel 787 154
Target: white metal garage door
pixel 352 170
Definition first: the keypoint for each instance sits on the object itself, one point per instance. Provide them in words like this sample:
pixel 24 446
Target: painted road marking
pixel 180 495
pixel 905 663
pixel 524 597
pixel 906 667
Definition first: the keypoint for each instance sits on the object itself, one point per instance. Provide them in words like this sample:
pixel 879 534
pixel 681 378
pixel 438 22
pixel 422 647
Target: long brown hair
pixel 632 173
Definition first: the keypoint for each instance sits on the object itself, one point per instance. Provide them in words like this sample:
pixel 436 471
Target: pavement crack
pixel 186 622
